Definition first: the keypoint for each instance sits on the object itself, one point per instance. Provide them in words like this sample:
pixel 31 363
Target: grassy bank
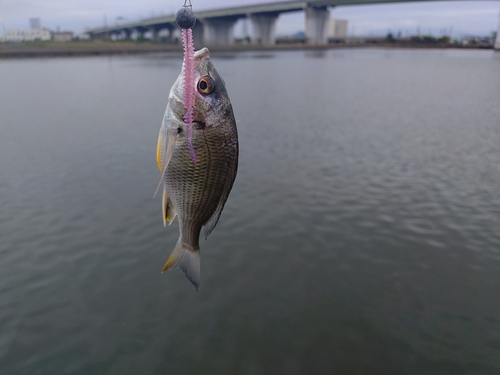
pixel 40 49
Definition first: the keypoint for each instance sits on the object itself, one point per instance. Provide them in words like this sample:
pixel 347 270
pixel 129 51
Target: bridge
pixel 215 27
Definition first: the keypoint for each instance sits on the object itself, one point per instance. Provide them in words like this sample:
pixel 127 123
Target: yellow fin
pixel 169 151
pixel 158 152
pixel 171 262
pixel 169 213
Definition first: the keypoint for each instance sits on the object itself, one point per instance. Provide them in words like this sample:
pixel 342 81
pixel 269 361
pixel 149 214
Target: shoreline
pixel 76 49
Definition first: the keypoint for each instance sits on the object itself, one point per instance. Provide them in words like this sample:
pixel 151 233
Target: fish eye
pixel 206 85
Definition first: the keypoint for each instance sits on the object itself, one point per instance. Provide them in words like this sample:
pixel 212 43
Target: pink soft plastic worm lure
pixel 187 42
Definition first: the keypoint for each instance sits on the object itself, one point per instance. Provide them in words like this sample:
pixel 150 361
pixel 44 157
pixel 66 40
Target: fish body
pixel 196 192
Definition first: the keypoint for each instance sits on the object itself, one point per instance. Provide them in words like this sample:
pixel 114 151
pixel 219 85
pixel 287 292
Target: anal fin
pixel 169 213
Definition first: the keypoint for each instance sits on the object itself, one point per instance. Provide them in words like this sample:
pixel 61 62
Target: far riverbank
pixel 59 49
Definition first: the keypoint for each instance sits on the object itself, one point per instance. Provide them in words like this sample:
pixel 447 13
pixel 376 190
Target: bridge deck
pixel 244 11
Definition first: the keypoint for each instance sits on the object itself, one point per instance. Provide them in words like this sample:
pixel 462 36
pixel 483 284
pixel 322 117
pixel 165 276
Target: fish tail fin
pixel 188 260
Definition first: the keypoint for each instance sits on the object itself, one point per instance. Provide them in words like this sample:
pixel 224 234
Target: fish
pixel 196 191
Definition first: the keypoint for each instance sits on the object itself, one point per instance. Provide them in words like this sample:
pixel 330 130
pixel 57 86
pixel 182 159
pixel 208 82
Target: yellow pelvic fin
pixel 158 152
pixel 169 151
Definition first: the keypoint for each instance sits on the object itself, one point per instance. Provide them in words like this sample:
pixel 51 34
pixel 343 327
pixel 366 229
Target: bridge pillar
pixel 218 31
pixel 317 25
pixel 497 40
pixel 138 33
pixel 154 34
pixel 198 34
pixel 170 37
pixel 264 28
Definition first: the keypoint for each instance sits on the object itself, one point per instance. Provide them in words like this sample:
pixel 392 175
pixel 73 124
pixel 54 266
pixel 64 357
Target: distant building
pixel 83 36
pixel 62 36
pixel 337 29
pixel 21 35
pixel 35 24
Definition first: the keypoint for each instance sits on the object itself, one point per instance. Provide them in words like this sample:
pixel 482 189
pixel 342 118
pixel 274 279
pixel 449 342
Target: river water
pixel 362 235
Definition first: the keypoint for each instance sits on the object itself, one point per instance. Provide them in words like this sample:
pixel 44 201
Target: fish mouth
pixel 202 54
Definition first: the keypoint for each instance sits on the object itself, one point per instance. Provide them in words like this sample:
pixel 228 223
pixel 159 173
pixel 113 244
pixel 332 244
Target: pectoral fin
pixel 169 213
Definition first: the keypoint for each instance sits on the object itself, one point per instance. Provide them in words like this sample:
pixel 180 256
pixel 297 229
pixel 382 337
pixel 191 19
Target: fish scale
pixel 198 185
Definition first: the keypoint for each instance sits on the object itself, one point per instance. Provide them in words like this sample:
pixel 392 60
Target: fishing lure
pixel 186 19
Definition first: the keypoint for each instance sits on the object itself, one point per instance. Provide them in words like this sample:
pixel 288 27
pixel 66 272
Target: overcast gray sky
pixel 462 17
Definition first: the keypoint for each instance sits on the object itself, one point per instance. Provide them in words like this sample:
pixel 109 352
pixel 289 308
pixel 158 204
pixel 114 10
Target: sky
pixel 462 18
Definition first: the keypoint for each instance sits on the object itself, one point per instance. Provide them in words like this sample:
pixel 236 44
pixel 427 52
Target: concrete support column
pixel 170 38
pixel 264 28
pixel 198 35
pixel 218 31
pixel 165 33
pixel 497 40
pixel 138 33
pixel 317 25
pixel 154 35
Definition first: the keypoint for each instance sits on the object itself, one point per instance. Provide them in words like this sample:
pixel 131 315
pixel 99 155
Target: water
pixel 361 236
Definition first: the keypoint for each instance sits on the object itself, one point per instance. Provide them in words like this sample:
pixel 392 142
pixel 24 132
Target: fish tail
pixel 188 260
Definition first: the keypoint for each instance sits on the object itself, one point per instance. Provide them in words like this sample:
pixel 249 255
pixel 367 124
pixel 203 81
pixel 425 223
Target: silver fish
pixel 196 192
